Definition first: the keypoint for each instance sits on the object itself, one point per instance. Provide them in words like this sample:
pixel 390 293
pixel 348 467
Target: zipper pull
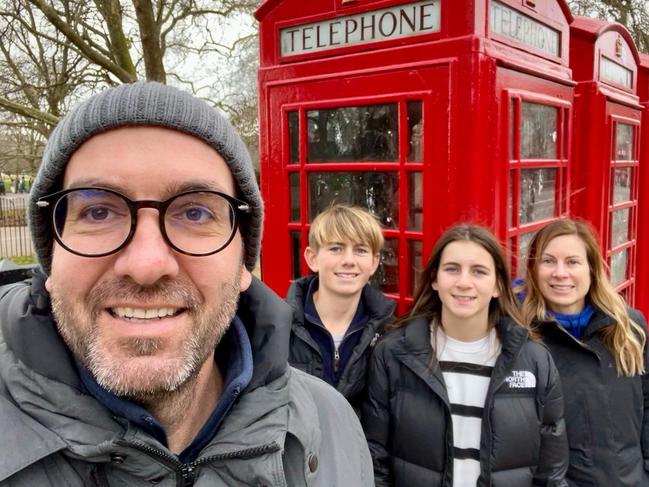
pixel 188 471
pixel 336 360
pixel 375 339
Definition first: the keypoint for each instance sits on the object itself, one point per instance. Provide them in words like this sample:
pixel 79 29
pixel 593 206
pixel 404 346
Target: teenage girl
pixel 458 394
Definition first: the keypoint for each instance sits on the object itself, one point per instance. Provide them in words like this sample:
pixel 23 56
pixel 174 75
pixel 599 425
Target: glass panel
pixel 620 227
pixel 294 181
pixel 618 267
pixel 365 133
pixel 417 264
pixel 296 253
pixel 524 241
pixel 415 213
pixel 538 131
pixel 622 184
pixel 376 191
pixel 293 138
pixel 415 131
pixel 566 132
pixel 386 276
pixel 537 192
pixel 624 142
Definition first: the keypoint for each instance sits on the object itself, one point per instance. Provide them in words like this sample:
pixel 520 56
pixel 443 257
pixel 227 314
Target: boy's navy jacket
pixel 312 349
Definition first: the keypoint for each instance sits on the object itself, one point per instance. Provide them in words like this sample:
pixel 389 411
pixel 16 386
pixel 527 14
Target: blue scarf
pixel 575 324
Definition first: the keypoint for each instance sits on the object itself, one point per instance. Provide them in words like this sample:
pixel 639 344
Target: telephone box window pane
pixel 296 253
pixel 618 267
pixel 293 138
pixel 524 241
pixel 386 277
pixel 415 131
pixel 622 184
pixel 364 133
pixel 295 196
pixel 416 251
pixel 415 212
pixel 624 142
pixel 538 131
pixel 620 227
pixel 537 191
pixel 376 191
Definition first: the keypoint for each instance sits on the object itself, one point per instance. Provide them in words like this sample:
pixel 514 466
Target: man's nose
pixel 147 258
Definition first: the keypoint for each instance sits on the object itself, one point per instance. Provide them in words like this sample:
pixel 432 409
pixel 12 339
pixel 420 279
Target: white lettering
pixel 510 23
pixel 421 17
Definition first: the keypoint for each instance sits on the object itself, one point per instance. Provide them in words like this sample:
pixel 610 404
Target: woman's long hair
pixel 426 302
pixel 625 339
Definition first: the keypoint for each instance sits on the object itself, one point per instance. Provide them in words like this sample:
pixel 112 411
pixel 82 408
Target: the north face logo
pixel 521 379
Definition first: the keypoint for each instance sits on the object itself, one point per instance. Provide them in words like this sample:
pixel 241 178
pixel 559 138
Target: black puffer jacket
pixel 607 417
pixel 407 416
pixel 304 352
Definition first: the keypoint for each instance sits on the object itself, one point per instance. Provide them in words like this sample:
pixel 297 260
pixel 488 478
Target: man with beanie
pixel 143 352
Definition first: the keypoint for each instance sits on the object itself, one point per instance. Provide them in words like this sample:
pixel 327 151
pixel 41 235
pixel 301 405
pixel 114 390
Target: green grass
pixel 22 259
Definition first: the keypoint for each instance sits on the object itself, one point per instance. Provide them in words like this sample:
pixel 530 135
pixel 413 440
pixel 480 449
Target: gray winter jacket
pixel 286 428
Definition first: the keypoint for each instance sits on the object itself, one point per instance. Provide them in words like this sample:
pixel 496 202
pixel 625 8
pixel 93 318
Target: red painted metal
pixel 602 102
pixel 477 77
pixel 642 272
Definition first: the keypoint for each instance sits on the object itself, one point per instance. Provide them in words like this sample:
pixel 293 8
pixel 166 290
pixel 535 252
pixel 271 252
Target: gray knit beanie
pixel 152 104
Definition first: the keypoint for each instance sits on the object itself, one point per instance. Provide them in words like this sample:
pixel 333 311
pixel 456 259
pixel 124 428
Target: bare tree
pixel 634 14
pixel 52 52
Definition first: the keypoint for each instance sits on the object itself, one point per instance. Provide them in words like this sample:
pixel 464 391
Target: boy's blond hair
pixel 343 223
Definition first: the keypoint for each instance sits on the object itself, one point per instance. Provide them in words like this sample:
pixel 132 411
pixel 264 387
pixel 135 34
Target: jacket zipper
pixel 336 359
pixel 188 471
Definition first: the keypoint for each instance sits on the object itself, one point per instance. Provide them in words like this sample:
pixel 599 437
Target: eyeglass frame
pixel 51 200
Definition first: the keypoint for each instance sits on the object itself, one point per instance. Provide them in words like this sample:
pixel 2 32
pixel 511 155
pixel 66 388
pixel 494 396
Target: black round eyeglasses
pixel 95 222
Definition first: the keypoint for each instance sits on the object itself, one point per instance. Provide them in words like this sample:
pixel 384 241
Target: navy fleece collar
pixel 234 353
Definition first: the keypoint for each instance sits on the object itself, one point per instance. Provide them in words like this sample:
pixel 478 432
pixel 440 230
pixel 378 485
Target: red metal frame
pixel 467 76
pixel 601 105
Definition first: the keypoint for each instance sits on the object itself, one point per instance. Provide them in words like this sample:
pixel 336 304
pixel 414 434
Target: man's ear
pixel 311 257
pixel 246 279
pixel 48 284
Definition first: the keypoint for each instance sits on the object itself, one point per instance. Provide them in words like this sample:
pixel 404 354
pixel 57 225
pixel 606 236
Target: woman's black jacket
pixel 407 416
pixel 607 416
pixel 304 352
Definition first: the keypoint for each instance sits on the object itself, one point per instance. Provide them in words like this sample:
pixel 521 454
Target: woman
pixel 458 395
pixel 599 348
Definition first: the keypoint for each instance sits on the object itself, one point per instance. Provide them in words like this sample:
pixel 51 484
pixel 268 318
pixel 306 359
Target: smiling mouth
pixel 463 298
pixel 562 287
pixel 347 275
pixel 129 313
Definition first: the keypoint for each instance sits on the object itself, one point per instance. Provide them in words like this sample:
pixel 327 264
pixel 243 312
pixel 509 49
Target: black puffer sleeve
pixel 377 416
pixel 554 453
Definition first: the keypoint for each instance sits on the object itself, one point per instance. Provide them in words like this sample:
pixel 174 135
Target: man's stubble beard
pixel 128 374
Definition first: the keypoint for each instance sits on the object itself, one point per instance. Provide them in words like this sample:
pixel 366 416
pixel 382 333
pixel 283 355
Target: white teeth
pixel 140 313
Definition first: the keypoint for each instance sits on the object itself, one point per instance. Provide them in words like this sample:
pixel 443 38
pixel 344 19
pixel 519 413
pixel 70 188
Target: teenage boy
pixel 337 315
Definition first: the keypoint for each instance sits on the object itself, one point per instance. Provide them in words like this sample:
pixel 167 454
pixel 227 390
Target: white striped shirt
pixel 466 367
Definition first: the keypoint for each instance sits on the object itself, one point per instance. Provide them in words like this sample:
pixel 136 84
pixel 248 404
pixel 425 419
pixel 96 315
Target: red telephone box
pixel 642 274
pixel 426 112
pixel 607 142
